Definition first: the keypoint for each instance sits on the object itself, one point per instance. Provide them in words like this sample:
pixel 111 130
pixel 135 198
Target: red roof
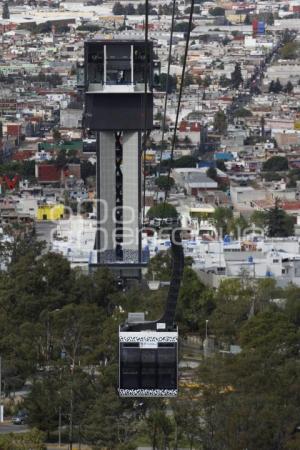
pixel 290 206
pixel 21 156
pixel 48 173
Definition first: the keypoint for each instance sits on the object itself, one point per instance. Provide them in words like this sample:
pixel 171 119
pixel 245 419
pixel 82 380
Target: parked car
pixel 20 418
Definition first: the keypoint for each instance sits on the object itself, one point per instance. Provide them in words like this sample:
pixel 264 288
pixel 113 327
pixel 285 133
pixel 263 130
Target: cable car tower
pixel 118 108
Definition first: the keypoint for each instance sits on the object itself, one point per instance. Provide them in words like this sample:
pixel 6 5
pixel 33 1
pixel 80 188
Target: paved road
pixel 8 427
pixel 44 230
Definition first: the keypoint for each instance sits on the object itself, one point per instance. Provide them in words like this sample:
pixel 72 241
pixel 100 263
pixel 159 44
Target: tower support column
pixel 131 193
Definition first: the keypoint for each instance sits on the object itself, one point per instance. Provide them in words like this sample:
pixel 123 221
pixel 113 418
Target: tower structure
pixel 118 87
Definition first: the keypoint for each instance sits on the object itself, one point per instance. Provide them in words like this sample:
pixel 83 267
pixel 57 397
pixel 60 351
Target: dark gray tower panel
pixel 118 85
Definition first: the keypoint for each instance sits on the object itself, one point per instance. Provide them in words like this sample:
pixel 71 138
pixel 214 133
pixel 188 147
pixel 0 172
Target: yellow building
pixel 202 211
pixel 50 212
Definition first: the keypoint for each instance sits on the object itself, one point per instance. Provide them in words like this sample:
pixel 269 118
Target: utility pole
pixel 59 427
pixel 1 406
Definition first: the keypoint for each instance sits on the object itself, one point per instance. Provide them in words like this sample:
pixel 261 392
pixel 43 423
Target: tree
pixel 243 112
pixel 188 79
pixel 289 87
pixel 270 19
pixel 212 173
pixel 61 159
pixel 5 11
pixel 221 165
pixel 118 424
pixel 130 10
pixel 118 9
pixel 33 439
pixel 182 27
pixel 275 86
pixel 159 427
pixel 224 81
pixel 236 76
pixel 163 83
pixel 279 223
pixel 163 211
pixel 258 218
pixel 217 11
pixel 1 130
pixel 289 50
pixel 207 81
pixel 222 216
pixel 56 135
pixel 275 164
pixel 185 161
pixel 247 20
pixel 164 183
pixel 220 122
pixel 195 303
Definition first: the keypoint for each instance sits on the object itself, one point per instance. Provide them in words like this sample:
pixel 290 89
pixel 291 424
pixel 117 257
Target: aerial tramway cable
pixel 180 94
pixel 148 351
pixel 146 68
pixel 167 85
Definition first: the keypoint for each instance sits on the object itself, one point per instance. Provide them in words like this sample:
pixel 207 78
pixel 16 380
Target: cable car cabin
pixel 115 75
pixel 148 360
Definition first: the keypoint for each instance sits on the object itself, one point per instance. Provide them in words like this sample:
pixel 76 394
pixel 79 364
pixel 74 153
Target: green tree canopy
pixel 5 11
pixel 243 112
pixel 279 223
pixel 171 83
pixel 220 122
pixel 290 50
pixel 163 211
pixel 217 11
pixel 236 76
pixel 276 164
pixel 259 218
pixel 182 27
pixel 164 183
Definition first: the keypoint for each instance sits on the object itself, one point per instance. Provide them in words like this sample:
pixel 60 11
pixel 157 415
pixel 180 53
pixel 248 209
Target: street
pixel 8 427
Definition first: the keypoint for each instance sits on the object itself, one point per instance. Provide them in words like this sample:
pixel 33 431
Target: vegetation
pixel 275 86
pixel 26 169
pixel 182 162
pixel 224 81
pixel 243 112
pixel 45 27
pixel 171 83
pixel 220 122
pixel 164 183
pixel 290 50
pixel 276 164
pixel 217 11
pixel 272 176
pixel 182 27
pixel 23 441
pixel 259 219
pixel 5 11
pixel 60 331
pixel 130 10
pixel 212 173
pixel 236 76
pixel 279 223
pixel 89 27
pixel 227 224
pixel 162 210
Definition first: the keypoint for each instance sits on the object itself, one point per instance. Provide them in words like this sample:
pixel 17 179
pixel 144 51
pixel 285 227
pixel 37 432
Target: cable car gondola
pixel 148 351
